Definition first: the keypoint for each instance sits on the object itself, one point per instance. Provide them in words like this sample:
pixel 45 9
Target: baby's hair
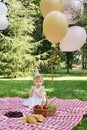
pixel 37 77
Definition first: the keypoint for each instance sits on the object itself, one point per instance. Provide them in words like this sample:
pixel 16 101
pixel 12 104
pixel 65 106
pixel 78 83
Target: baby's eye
pixel 36 81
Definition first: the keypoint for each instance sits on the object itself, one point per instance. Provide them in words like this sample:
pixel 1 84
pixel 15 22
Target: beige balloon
pixel 55 26
pixel 47 6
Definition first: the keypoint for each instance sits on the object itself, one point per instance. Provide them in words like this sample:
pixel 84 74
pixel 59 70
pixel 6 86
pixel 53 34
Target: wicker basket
pixel 45 112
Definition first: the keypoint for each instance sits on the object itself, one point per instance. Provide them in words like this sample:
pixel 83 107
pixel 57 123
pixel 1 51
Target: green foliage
pixel 52 106
pixel 15 47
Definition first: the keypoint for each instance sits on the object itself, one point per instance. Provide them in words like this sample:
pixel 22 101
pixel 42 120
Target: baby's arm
pixel 41 93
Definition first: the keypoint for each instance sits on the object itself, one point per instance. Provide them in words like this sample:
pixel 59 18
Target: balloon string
pixel 53 59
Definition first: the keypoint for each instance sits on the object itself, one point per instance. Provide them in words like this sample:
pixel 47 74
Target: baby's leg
pixel 25 103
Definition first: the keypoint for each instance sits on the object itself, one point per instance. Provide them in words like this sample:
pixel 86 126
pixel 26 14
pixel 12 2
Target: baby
pixel 37 92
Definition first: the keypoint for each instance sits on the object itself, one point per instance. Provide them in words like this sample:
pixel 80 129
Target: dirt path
pixel 54 78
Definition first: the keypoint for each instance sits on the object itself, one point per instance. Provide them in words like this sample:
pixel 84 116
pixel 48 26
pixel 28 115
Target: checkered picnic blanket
pixel 69 113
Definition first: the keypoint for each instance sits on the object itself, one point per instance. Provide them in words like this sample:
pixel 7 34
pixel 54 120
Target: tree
pixel 15 47
pixel 41 47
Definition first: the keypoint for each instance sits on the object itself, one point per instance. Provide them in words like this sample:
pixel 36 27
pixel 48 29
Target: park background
pixel 23 47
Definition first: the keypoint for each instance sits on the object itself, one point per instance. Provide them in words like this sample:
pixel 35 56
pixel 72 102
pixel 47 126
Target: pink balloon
pixel 74 39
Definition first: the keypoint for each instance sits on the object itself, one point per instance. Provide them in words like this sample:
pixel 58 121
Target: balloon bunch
pixel 58 15
pixel 3 18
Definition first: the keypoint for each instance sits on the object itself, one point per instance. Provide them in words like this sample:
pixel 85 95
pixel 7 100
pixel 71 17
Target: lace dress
pixel 34 100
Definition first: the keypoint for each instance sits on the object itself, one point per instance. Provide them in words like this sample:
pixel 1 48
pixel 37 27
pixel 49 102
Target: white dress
pixel 34 100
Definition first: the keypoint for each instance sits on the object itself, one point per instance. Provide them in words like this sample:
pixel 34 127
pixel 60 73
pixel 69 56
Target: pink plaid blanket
pixel 69 113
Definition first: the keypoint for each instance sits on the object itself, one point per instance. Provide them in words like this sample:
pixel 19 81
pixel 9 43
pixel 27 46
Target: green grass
pixel 63 73
pixel 63 89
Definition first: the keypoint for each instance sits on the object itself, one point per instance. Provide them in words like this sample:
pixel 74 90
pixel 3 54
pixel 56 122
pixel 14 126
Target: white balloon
pixel 3 9
pixel 3 22
pixel 74 39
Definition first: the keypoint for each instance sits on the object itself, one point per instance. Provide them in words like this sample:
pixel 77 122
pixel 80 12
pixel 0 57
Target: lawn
pixel 63 89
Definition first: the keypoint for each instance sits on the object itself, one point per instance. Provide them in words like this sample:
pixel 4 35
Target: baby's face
pixel 38 82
